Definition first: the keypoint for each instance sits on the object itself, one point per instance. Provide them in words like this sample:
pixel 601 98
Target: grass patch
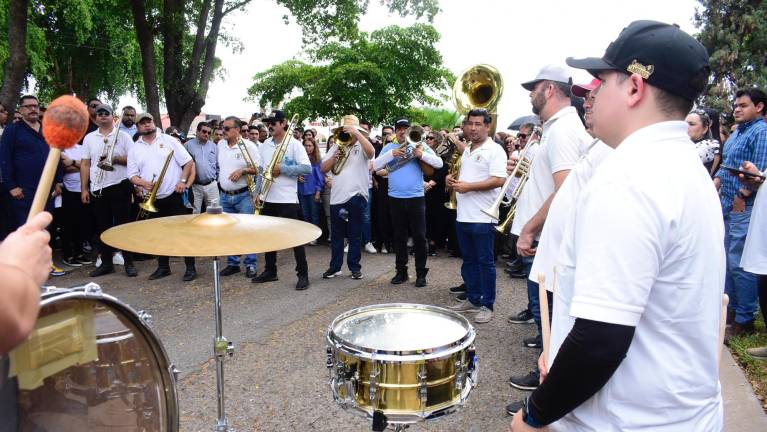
pixel 756 370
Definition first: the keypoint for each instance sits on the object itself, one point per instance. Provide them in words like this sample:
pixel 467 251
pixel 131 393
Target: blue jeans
pixel 242 204
pixel 478 268
pixel 352 228
pixel 367 234
pixel 310 209
pixel 739 284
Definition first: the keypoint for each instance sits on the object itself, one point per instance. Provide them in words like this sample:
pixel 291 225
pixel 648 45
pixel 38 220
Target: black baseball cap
pixel 664 55
pixel 402 123
pixel 275 116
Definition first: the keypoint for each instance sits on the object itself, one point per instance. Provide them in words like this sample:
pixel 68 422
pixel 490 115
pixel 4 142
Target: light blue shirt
pixel 407 181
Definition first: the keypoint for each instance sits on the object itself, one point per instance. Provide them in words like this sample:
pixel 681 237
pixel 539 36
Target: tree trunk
pixel 16 67
pixel 148 65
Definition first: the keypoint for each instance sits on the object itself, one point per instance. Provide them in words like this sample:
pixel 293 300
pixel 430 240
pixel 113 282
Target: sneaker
pixel 250 271
pixel 458 289
pixel 57 271
pixel 533 342
pixel 465 306
pixel 369 248
pixel 483 316
pixel 758 352
pixel 514 407
pixel 330 274
pixel 357 275
pixel 98 261
pixel 87 247
pixel 117 259
pixel 384 250
pixel 524 317
pixel 461 296
pixel 527 382
pixel 83 259
pixel 71 262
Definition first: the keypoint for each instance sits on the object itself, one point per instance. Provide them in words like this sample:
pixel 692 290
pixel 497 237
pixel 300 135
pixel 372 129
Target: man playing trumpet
pixel 349 193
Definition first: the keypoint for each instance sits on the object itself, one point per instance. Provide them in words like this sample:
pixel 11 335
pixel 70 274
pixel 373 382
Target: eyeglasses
pixel 31 106
pixel 227 128
pixel 521 136
pixel 103 113
pixel 93 105
pixel 205 131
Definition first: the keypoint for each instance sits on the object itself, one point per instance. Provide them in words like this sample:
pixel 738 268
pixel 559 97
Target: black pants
pixel 172 205
pixel 112 208
pixel 761 282
pixel 382 227
pixel 409 213
pixel 290 211
pixel 72 224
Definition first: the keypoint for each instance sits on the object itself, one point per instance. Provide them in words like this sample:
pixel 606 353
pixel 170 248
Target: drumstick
pixel 545 326
pixel 66 121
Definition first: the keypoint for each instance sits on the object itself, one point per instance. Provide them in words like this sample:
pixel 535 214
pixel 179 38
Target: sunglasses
pixel 205 131
pixel 521 136
pixel 429 137
pixel 103 113
pixel 228 128
pixel 93 105
pixel 31 106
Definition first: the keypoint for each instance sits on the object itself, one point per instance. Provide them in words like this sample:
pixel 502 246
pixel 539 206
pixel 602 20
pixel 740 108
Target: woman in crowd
pixel 699 130
pixel 310 186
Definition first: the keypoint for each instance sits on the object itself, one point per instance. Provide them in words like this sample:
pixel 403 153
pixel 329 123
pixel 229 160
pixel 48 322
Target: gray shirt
pixel 205 159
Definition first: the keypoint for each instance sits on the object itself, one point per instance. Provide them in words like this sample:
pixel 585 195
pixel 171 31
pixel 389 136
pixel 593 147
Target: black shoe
pixel 514 266
pixel 130 270
pixel 461 296
pixel 250 271
pixel 303 283
pixel 189 275
pixel 524 317
pixel 159 273
pixel 230 270
pixel 517 274
pixel 103 270
pixel 514 407
pixel 83 259
pixel 330 274
pixel 420 277
pixel 525 382
pixel 432 251
pixel 533 342
pixel 400 277
pixel 357 275
pixel 458 289
pixel 265 276
pixel 71 262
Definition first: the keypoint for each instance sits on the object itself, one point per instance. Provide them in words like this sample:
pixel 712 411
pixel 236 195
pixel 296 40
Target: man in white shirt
pixel 108 190
pixel 349 195
pixel 640 273
pixel 146 159
pixel 483 171
pixel 563 142
pixel 282 199
pixel 234 167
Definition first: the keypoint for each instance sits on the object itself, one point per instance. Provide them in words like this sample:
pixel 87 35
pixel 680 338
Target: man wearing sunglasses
pixel 205 155
pixel 92 104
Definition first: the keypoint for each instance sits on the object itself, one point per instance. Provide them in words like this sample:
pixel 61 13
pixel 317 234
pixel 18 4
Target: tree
pixel 377 77
pixel 735 34
pixel 16 53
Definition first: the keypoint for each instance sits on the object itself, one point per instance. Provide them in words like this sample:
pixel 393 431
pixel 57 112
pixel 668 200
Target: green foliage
pixel 438 118
pixel 735 34
pixel 755 369
pixel 377 77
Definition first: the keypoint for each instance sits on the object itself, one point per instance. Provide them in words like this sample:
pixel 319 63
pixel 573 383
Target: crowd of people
pixel 637 213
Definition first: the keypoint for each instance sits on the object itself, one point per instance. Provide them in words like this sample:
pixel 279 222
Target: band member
pixel 282 199
pixel 406 198
pixel 146 159
pixel 234 169
pixel 640 272
pixel 349 194
pixel 483 172
pixel 108 191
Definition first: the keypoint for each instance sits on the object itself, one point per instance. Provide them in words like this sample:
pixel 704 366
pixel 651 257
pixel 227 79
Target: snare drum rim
pixel 161 356
pixel 338 343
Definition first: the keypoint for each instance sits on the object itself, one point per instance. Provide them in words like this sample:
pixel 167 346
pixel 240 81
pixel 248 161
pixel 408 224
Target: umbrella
pixel 524 119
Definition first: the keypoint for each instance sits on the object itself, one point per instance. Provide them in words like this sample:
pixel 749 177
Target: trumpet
pixel 454 171
pixel 520 173
pixel 148 206
pixel 267 176
pixel 413 140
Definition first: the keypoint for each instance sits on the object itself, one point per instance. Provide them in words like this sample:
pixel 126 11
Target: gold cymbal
pixel 210 235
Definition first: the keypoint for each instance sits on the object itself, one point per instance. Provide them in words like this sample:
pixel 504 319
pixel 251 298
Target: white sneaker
pixel 117 258
pixel 383 250
pixel 483 316
pixel 369 248
pixel 98 261
pixel 346 249
pixel 465 306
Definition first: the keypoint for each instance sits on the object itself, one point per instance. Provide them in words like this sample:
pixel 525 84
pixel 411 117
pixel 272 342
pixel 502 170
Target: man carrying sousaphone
pixel 349 193
pixel 146 159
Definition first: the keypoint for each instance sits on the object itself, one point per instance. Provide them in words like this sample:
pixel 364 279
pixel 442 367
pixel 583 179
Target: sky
pixel 517 37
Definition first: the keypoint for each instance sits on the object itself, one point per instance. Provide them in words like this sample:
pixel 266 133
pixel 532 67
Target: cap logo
pixel 640 69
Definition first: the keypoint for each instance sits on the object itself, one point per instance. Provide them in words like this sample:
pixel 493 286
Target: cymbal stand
pixel 222 349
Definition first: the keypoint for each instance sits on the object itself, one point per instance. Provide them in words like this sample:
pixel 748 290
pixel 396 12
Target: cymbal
pixel 210 234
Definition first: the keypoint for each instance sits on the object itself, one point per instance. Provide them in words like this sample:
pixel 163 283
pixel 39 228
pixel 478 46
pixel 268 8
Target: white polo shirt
pixel 487 160
pixel 71 180
pixel 646 251
pixel 147 160
pixel 354 177
pixel 563 141
pixel 284 190
pixel 231 159
pixel 559 211
pixel 93 148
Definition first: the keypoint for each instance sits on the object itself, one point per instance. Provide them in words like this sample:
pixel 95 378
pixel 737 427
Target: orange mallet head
pixel 65 122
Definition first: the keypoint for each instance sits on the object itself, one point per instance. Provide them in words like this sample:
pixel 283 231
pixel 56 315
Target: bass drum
pixel 401 363
pixel 92 364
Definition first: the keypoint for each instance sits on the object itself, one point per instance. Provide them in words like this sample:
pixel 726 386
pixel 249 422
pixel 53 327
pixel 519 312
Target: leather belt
pixel 203 184
pixel 237 192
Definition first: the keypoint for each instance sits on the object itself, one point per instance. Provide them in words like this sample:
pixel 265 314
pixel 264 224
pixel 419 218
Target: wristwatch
pixel 741 195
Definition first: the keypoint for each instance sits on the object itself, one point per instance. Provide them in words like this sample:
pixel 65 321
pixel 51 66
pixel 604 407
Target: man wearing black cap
pixel 282 199
pixel 641 269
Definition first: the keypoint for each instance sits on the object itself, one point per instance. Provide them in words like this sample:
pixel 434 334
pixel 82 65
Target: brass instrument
pixel 279 153
pixel 413 140
pixel 249 178
pixel 521 173
pixel 454 171
pixel 148 206
pixel 343 141
pixel 105 162
pixel 479 86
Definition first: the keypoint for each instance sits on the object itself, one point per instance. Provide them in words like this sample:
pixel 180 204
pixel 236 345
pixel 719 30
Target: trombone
pixel 267 178
pixel 148 206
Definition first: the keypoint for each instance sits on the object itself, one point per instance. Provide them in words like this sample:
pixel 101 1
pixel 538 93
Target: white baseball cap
pixel 550 72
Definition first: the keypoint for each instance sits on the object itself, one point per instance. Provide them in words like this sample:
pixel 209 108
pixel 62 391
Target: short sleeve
pixel 498 163
pixel 330 152
pixel 564 149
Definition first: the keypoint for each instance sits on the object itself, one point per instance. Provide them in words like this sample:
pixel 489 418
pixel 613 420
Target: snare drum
pixel 93 364
pixel 405 362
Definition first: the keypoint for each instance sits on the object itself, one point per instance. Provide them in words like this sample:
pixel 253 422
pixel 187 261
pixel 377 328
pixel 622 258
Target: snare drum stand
pixel 222 349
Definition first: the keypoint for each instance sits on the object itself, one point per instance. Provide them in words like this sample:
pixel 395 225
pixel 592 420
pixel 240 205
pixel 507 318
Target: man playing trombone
pixel 348 160
pixel 238 162
pixel 483 171
pixel 103 181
